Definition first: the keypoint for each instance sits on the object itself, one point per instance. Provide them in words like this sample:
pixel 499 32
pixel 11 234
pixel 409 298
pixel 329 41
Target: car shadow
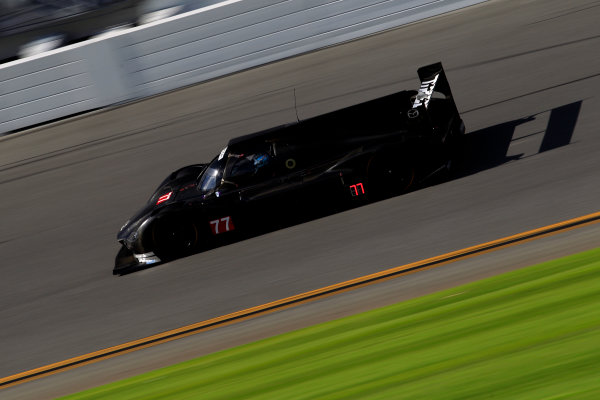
pixel 480 150
pixel 489 147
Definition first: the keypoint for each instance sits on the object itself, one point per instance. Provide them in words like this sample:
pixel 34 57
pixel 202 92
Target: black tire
pixel 174 238
pixel 390 177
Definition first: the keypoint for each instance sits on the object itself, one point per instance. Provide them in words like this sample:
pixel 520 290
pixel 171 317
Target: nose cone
pixel 128 233
pixel 125 232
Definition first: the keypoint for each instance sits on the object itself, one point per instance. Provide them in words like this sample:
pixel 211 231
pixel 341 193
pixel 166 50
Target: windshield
pixel 213 174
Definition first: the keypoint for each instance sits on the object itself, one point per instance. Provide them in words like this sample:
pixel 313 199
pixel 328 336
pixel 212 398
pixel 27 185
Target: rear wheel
pixel 388 177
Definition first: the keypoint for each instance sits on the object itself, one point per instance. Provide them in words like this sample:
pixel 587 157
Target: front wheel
pixel 174 237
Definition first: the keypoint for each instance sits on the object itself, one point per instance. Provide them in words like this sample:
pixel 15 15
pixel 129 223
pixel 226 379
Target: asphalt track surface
pixel 525 75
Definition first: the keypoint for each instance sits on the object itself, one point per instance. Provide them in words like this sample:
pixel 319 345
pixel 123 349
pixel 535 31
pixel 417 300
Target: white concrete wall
pixel 190 48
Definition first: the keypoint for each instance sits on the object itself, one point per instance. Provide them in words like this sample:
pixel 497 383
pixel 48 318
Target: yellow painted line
pixel 298 299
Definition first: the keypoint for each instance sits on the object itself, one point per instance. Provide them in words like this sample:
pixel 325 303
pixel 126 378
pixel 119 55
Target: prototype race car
pixel 365 152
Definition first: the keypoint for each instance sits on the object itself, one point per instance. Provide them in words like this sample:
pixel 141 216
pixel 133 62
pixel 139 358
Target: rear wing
pixel 433 80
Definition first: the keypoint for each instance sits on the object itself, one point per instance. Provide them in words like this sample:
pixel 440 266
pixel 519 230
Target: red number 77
pixel 354 189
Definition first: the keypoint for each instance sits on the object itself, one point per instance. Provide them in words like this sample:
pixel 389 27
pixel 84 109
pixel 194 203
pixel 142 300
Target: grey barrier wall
pixel 207 43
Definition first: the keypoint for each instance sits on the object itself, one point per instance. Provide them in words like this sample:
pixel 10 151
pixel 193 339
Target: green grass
pixel 529 334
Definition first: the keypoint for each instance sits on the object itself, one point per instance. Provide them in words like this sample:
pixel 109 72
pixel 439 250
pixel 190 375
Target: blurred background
pixel 29 27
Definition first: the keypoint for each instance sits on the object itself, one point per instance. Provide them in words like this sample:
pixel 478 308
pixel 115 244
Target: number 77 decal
pixel 221 225
pixel 357 190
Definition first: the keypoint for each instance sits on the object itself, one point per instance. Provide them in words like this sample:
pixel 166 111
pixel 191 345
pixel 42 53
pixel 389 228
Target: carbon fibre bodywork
pixel 362 153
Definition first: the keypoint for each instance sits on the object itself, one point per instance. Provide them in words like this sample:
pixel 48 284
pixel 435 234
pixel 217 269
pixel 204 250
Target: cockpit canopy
pixel 238 167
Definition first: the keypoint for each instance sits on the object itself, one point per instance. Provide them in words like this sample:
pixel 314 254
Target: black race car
pixel 375 149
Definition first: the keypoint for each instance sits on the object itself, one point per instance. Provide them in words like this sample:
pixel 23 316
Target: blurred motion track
pixel 298 299
pixel 525 77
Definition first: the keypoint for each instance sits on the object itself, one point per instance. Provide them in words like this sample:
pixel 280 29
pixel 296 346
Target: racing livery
pixel 361 153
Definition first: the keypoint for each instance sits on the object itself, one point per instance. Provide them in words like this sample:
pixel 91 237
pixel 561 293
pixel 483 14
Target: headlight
pixel 133 236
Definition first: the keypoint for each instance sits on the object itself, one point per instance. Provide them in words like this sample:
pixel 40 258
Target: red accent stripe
pixel 164 198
